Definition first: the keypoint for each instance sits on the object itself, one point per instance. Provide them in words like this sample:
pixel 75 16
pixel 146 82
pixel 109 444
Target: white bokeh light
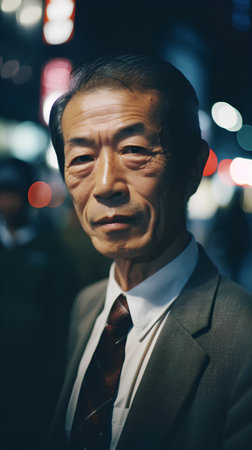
pixel 205 123
pixel 226 116
pixel 30 14
pixel 51 157
pixel 58 32
pixel 9 6
pixel 60 10
pixel 47 104
pixel 241 171
pixel 247 199
pixel 27 140
pixel 202 205
pixel 223 193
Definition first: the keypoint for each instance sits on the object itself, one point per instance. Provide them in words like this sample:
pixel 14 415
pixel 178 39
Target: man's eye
pixel 135 149
pixel 82 159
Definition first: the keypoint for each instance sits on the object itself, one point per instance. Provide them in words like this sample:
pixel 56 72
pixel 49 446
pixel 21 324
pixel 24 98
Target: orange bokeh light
pixel 211 164
pixel 39 194
pixel 224 172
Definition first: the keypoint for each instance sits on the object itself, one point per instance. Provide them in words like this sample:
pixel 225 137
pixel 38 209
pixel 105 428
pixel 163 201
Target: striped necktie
pixel 91 428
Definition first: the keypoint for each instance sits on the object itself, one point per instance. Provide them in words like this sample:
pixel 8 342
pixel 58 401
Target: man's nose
pixel 110 179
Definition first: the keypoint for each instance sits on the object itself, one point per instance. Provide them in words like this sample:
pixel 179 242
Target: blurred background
pixel 44 255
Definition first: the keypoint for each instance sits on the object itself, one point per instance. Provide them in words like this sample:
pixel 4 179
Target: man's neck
pixel 129 273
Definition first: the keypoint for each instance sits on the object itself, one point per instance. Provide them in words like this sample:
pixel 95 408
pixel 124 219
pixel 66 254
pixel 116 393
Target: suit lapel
pixel 175 366
pixel 82 325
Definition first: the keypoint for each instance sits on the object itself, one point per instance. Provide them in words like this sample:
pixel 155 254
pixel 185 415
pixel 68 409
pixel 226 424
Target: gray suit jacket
pixel 196 392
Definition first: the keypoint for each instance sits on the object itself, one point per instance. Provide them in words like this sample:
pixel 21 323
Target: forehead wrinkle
pixel 85 116
pixel 150 97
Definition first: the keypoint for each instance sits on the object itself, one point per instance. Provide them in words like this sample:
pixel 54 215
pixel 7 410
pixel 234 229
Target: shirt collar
pixel 150 299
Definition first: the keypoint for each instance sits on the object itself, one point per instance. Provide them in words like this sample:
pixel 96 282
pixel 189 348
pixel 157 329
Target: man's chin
pixel 118 251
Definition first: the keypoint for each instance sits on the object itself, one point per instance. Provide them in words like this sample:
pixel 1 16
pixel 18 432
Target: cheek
pixel 80 198
pixel 164 203
pixel 152 192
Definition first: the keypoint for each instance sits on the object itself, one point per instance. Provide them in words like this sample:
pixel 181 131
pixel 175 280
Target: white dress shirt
pixel 149 303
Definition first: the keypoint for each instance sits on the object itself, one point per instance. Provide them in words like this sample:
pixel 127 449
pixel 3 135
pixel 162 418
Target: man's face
pixel 125 189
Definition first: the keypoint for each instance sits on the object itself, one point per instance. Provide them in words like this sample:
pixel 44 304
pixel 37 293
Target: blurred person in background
pixel 37 287
pixel 228 241
pixel 159 355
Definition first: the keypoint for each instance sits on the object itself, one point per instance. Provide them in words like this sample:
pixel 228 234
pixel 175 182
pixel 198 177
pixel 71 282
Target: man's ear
pixel 195 175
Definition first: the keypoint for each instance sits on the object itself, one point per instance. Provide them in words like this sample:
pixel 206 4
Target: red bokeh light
pixel 224 172
pixel 39 194
pixel 211 164
pixel 58 194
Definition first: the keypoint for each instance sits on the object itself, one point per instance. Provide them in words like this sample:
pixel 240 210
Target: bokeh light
pixel 211 164
pixel 58 21
pixel 58 33
pixel 39 194
pixel 9 6
pixel 30 13
pixel 226 116
pixel 202 205
pixel 54 82
pixel 9 68
pixel 58 194
pixel 27 140
pixel 246 202
pixel 224 171
pixel 47 104
pixel 23 75
pixel 241 171
pixel 61 9
pixel 223 193
pixel 205 124
pixel 56 73
pixel 51 157
pixel 244 137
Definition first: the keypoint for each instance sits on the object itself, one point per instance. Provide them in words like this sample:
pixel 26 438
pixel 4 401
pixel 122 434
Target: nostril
pixel 110 195
pixel 113 199
pixel 117 194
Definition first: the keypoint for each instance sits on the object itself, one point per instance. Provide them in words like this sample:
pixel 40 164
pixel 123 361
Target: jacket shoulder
pixel 234 296
pixel 86 300
pixel 234 307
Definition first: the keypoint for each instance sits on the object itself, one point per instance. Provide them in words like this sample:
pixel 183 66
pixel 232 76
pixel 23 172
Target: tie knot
pixel 119 315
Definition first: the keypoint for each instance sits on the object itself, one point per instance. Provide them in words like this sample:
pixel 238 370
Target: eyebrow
pixel 136 128
pixel 80 142
pixel 128 131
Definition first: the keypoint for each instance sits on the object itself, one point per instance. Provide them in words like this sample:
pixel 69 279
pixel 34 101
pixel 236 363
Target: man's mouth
pixel 116 222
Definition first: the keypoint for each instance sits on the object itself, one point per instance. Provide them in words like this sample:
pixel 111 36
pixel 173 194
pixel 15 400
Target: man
pixel 128 143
